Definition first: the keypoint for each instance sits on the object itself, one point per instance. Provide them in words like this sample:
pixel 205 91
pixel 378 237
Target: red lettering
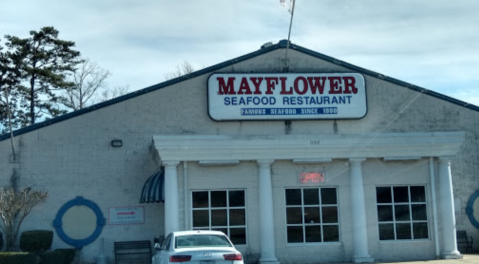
pixel 224 88
pixel 315 84
pixel 296 85
pixel 270 84
pixel 335 85
pixel 257 82
pixel 283 86
pixel 303 177
pixel 244 87
pixel 306 177
pixel 349 85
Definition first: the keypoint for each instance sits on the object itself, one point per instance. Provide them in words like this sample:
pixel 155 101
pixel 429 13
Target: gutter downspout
pixel 185 195
pixel 434 206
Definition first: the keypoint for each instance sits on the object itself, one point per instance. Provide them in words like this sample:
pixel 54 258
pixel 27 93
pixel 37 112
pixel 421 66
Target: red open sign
pixel 313 177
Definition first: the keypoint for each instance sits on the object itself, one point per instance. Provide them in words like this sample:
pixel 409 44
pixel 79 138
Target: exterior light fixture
pixel 116 143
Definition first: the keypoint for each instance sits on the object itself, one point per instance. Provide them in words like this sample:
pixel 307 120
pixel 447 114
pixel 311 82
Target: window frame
pixel 209 208
pixel 410 221
pixel 320 206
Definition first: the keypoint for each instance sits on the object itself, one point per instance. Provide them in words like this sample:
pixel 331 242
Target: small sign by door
pixel 126 215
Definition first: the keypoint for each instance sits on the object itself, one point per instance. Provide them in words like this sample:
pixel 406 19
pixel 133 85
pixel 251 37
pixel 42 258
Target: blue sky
pixel 430 43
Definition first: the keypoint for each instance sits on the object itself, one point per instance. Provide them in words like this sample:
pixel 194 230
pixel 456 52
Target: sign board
pixel 311 177
pixel 286 96
pixel 126 215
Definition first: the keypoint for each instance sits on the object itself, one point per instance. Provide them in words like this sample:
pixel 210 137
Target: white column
pixel 171 197
pixel 358 217
pixel 266 224
pixel 446 208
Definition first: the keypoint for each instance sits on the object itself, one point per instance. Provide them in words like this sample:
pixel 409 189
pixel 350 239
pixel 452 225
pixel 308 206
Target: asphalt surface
pixel 467 259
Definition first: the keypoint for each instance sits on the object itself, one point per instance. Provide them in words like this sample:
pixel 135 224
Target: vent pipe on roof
pixel 266 45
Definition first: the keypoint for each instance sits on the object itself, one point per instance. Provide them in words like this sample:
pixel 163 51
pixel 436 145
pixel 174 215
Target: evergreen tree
pixel 44 62
pixel 9 79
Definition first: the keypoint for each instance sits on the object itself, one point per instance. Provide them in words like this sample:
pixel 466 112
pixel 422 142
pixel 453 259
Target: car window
pixel 202 241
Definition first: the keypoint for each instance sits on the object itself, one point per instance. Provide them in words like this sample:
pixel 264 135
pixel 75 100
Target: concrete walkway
pixel 467 259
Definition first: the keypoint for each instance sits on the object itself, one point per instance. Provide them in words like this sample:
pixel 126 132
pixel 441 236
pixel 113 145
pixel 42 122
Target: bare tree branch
pixel 89 78
pixel 114 92
pixel 181 69
pixel 14 207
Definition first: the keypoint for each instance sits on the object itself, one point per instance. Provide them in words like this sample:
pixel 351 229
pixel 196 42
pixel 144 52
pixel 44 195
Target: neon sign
pixel 311 177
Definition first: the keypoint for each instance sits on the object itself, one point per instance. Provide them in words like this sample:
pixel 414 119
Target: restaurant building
pixel 299 160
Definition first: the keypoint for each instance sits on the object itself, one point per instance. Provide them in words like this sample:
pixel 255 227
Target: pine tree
pixel 9 79
pixel 44 62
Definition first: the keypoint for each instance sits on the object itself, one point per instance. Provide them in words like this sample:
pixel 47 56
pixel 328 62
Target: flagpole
pixel 289 35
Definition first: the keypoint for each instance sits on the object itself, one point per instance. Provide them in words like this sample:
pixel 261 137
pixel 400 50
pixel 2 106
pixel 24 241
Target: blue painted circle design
pixel 79 201
pixel 470 209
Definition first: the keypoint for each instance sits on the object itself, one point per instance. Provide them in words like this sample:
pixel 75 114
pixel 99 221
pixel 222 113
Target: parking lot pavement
pixel 467 259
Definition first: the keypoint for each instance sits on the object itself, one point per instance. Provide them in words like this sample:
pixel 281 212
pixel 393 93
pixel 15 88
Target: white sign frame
pixel 286 96
pixel 128 215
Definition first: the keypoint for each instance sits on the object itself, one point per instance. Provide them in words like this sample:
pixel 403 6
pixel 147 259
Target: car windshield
pixel 189 241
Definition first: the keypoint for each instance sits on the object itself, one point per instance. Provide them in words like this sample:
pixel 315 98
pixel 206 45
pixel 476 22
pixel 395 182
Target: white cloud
pixel 430 44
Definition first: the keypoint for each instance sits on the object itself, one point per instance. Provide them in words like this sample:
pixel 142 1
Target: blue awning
pixel 153 190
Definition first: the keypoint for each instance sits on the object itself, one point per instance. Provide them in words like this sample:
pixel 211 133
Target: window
pixel 221 210
pixel 402 212
pixel 197 240
pixel 312 215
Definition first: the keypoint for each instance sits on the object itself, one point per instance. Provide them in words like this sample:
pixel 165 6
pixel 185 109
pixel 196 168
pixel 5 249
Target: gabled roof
pixel 264 49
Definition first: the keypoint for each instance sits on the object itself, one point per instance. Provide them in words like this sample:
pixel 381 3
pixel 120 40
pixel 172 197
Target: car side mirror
pixel 157 246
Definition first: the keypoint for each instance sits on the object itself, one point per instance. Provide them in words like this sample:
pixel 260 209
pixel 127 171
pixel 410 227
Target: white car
pixel 197 247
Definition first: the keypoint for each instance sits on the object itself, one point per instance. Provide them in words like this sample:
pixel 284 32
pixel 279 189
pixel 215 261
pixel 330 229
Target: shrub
pixel 37 241
pixel 53 257
pixel 15 205
pixel 17 258
pixel 69 254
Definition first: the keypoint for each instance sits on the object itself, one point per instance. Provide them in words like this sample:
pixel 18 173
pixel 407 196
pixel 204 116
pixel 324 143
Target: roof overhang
pixel 390 146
